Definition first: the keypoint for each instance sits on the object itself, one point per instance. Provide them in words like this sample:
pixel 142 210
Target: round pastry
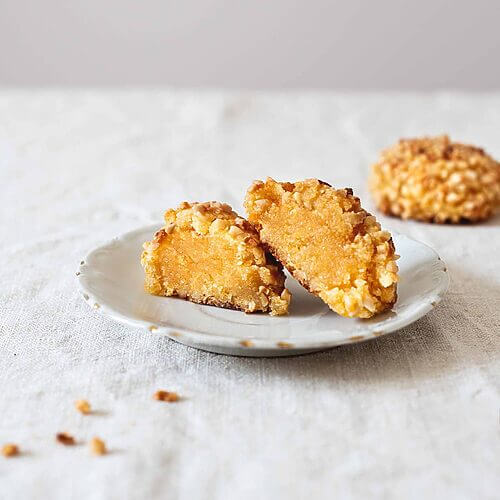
pixel 433 179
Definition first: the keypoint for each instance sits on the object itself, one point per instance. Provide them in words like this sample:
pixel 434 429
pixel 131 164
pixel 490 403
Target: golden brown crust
pixel 324 238
pixel 435 180
pixel 254 281
pixel 210 301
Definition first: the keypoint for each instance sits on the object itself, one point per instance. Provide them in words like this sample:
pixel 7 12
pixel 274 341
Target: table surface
pixel 414 414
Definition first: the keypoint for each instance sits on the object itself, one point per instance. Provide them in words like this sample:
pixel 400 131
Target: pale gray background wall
pixel 385 44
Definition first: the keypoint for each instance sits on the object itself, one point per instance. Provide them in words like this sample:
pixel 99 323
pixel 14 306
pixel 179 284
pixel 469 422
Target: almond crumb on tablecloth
pixel 97 446
pixel 10 450
pixel 65 438
pixel 169 397
pixel 83 406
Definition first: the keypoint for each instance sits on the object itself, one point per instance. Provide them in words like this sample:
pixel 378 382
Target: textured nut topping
pixel 255 186
pixel 262 204
pixel 436 180
pixel 170 228
pixel 10 450
pixel 235 231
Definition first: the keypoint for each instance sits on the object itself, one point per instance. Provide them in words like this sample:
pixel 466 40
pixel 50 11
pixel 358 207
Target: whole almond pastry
pixel 436 180
pixel 205 253
pixel 326 240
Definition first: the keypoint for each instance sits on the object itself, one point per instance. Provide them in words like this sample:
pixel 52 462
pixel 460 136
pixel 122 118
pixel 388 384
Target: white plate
pixel 111 280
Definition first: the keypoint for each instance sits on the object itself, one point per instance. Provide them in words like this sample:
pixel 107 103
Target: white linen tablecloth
pixel 410 415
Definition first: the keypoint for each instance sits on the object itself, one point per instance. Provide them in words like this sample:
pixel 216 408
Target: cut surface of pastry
pixel 435 180
pixel 328 243
pixel 205 253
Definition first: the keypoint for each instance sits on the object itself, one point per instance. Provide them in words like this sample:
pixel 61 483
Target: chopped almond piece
pixel 65 438
pixel 169 397
pixel 97 446
pixel 10 450
pixel 83 406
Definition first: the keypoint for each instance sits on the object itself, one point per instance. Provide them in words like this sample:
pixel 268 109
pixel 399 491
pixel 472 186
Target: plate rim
pixel 244 346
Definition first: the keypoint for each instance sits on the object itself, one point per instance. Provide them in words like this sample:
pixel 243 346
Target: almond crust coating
pixel 432 179
pixel 206 254
pixel 334 248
